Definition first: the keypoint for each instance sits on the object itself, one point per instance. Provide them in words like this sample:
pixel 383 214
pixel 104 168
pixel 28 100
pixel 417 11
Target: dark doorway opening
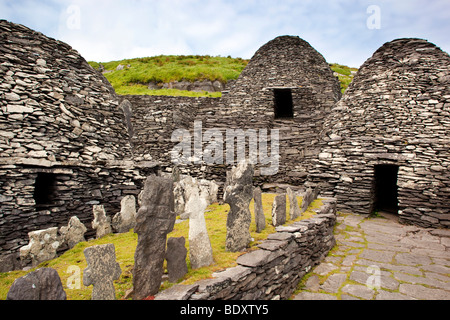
pixel 44 189
pixel 284 107
pixel 386 190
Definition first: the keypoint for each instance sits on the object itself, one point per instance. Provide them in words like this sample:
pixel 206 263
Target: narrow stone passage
pixel 380 259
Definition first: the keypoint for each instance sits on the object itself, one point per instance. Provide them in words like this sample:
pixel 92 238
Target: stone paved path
pixel 378 258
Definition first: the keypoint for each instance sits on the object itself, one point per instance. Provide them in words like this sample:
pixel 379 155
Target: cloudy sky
pixel 344 31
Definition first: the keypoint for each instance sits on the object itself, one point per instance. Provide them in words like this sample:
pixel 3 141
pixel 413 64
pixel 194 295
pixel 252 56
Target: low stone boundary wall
pixel 275 269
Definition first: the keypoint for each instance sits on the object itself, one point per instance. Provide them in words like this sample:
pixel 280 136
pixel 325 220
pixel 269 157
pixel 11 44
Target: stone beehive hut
pixel 63 140
pixel 287 85
pixel 67 143
pixel 154 119
pixel 388 138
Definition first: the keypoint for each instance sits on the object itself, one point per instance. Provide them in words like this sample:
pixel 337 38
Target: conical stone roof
pixel 395 112
pixel 288 61
pixel 54 107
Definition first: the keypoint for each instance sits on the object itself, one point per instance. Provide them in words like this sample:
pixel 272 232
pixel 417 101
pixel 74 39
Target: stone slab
pixel 180 292
pixel 314 296
pixel 405 267
pixel 42 284
pixel 272 245
pixel 423 293
pixel 254 258
pixel 359 291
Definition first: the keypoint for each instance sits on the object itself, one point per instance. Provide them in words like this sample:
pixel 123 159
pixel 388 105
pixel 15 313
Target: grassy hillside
pixel 125 246
pixel 344 74
pixel 132 76
pixel 139 72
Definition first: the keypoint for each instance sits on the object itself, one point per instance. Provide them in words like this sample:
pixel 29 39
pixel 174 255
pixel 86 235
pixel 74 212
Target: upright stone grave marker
pixel 101 222
pixel 238 194
pixel 73 233
pixel 279 210
pixel 42 284
pixel 182 189
pixel 316 192
pixel 102 270
pixel 294 209
pixel 176 258
pixel 126 218
pixel 200 250
pixel 307 199
pixel 42 246
pixel 155 219
pixel 260 219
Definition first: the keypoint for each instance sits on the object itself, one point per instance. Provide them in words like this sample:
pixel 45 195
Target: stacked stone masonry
pixel 286 63
pixel 64 145
pixel 275 269
pixel 396 112
pixel 67 141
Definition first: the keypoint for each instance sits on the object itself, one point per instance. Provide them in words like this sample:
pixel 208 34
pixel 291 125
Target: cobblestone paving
pixel 380 259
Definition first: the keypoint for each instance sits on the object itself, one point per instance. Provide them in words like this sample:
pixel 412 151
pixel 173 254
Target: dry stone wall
pixel 155 118
pixel 273 271
pixel 291 63
pixel 285 62
pixel 75 191
pixel 196 86
pixel 67 142
pixel 64 145
pixel 54 106
pixel 396 112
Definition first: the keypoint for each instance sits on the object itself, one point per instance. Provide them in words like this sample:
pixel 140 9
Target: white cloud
pixel 118 29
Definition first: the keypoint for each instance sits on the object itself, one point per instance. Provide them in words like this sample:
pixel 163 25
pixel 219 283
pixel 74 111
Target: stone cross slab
pixel 101 222
pixel 260 219
pixel 101 272
pixel 294 209
pixel 42 247
pixel 238 193
pixel 279 210
pixel 176 258
pixel 155 219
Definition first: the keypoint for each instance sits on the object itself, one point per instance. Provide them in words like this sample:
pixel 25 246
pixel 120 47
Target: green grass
pixel 165 69
pixel 75 258
pixel 125 245
pixel 344 74
pixel 139 89
pixel 137 73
